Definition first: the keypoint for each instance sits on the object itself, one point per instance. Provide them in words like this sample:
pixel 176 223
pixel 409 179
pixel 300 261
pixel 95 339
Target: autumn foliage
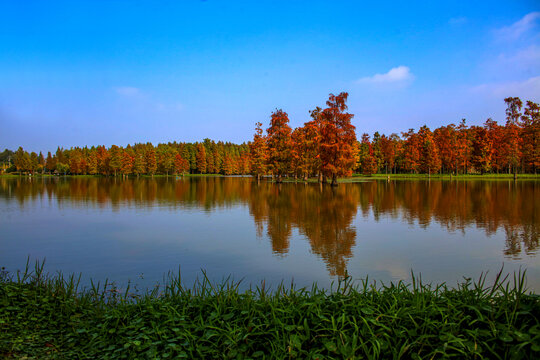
pixel 326 146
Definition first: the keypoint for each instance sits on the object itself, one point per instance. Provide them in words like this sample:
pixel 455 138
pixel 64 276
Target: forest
pixel 325 147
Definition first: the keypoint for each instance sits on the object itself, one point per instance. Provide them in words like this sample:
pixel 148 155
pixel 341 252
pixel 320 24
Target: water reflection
pixel 323 215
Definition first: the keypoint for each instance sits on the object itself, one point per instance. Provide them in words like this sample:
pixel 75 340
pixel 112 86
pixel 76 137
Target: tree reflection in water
pixel 324 215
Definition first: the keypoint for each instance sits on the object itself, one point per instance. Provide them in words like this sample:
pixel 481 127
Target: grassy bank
pixel 42 317
pixel 423 177
pixel 14 175
pixel 448 177
pixel 355 177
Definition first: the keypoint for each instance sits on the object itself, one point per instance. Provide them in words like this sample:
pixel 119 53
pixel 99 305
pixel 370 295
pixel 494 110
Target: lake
pixel 138 230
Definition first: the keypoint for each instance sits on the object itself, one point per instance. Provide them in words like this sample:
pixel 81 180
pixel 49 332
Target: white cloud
pixel 398 74
pixel 520 27
pixel 127 91
pixel 528 89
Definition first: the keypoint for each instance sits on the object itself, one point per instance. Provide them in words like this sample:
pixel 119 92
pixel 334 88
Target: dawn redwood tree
pixel 228 165
pixel 305 154
pixel 512 132
pixel 33 162
pixel 463 147
pixel 60 157
pixel 41 163
pixel 102 160
pixel 411 151
pixel 201 158
pixel 50 163
pixel 83 165
pixel 429 153
pixel 21 160
pixel 388 153
pixel 338 138
pixel 313 130
pixel 531 136
pixel 244 166
pixel 75 158
pixel 258 151
pixel 139 162
pixel 376 149
pixel 363 151
pixel 367 160
pixel 91 161
pixel 279 144
pixel 498 151
pixel 181 165
pixel 397 143
pixel 115 154
pixel 166 158
pixel 127 161
pixel 150 157
pixel 218 161
pixel 481 149
pixel 300 152
pixel 445 138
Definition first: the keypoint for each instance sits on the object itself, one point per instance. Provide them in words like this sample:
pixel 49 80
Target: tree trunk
pixel 334 180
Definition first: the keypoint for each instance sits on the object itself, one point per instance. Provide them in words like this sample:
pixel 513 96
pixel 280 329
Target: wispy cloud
pixel 520 27
pixel 127 91
pixel 527 59
pixel 528 89
pixel 144 101
pixel 457 20
pixel 400 74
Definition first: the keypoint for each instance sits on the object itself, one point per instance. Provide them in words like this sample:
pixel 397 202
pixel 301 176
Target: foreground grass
pixel 42 317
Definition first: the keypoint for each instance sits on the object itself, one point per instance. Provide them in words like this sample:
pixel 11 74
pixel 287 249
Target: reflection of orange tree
pixel 324 215
pixel 459 204
pixel 521 238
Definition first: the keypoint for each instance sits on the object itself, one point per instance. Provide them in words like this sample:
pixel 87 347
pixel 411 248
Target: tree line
pixel 207 157
pixel 325 147
pixel 491 148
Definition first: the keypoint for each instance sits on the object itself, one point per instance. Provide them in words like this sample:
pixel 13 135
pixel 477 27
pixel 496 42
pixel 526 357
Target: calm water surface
pixel 138 230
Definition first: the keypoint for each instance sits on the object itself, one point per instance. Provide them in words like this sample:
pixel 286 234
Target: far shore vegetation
pixel 54 317
pixel 325 148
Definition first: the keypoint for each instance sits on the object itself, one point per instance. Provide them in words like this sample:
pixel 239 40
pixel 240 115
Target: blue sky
pixel 76 73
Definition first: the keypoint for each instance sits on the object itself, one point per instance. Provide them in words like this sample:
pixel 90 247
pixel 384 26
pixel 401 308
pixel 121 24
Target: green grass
pixel 362 178
pixel 49 317
pixel 11 175
pixel 448 177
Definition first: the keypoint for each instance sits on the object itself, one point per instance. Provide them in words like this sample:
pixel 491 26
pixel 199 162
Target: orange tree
pixel 279 144
pixel 337 138
pixel 258 152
